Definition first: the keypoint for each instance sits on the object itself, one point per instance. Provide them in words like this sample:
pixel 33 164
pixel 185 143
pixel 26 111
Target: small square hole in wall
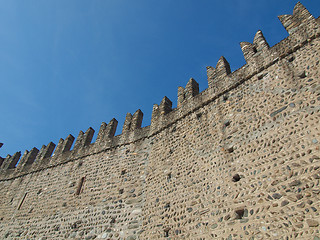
pixel 236 178
pixel 123 172
pixel 239 213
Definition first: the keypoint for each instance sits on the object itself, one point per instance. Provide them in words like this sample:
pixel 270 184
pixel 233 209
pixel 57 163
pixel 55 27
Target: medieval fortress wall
pixel 239 160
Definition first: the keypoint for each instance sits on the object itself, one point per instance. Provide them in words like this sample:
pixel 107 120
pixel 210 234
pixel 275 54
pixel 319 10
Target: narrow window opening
pixel 80 185
pixel 239 213
pixel 166 233
pixel 22 200
pixel 236 178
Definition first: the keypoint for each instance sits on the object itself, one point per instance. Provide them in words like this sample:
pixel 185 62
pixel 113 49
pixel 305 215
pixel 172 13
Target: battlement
pixel 238 160
pixel 302 28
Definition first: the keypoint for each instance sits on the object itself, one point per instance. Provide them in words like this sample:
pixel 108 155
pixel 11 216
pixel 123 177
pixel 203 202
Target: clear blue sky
pixel 69 65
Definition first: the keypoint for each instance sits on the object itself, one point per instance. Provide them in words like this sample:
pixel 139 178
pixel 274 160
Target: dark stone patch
pixel 295 183
pixel 284 203
pixel 278 111
pixel 236 178
pixel 276 195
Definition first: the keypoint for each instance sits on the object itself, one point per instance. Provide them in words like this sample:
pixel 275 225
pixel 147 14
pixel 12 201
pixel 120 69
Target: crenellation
pixel 155 115
pixel 227 80
pixel 88 135
pixel 23 159
pixel 136 120
pixel 248 50
pixel 41 152
pixel 106 133
pixel 239 160
pixel 67 143
pixel 191 90
pixel 165 106
pixel 5 161
pixel 11 161
pixel 27 158
pixel 160 113
pixel 300 19
pixel 219 73
pixel 83 139
pixel 260 42
pixel 111 128
pixel 257 54
pixel 101 132
pixel 292 22
pixel 45 152
pixel 181 96
pixel 79 141
pixel 127 123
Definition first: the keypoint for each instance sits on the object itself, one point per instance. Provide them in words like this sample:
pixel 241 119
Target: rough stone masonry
pixel 239 160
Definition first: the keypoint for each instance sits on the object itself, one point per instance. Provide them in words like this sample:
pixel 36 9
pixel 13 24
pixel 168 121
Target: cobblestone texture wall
pixel 239 160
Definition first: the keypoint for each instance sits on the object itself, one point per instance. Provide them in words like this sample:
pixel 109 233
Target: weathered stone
pixel 284 203
pixel 132 237
pixel 295 183
pixel 214 226
pixel 312 223
pixel 278 111
pixel 276 195
pixel 249 140
pixel 301 205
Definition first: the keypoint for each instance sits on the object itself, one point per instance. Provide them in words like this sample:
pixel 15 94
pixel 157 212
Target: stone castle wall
pixel 239 160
